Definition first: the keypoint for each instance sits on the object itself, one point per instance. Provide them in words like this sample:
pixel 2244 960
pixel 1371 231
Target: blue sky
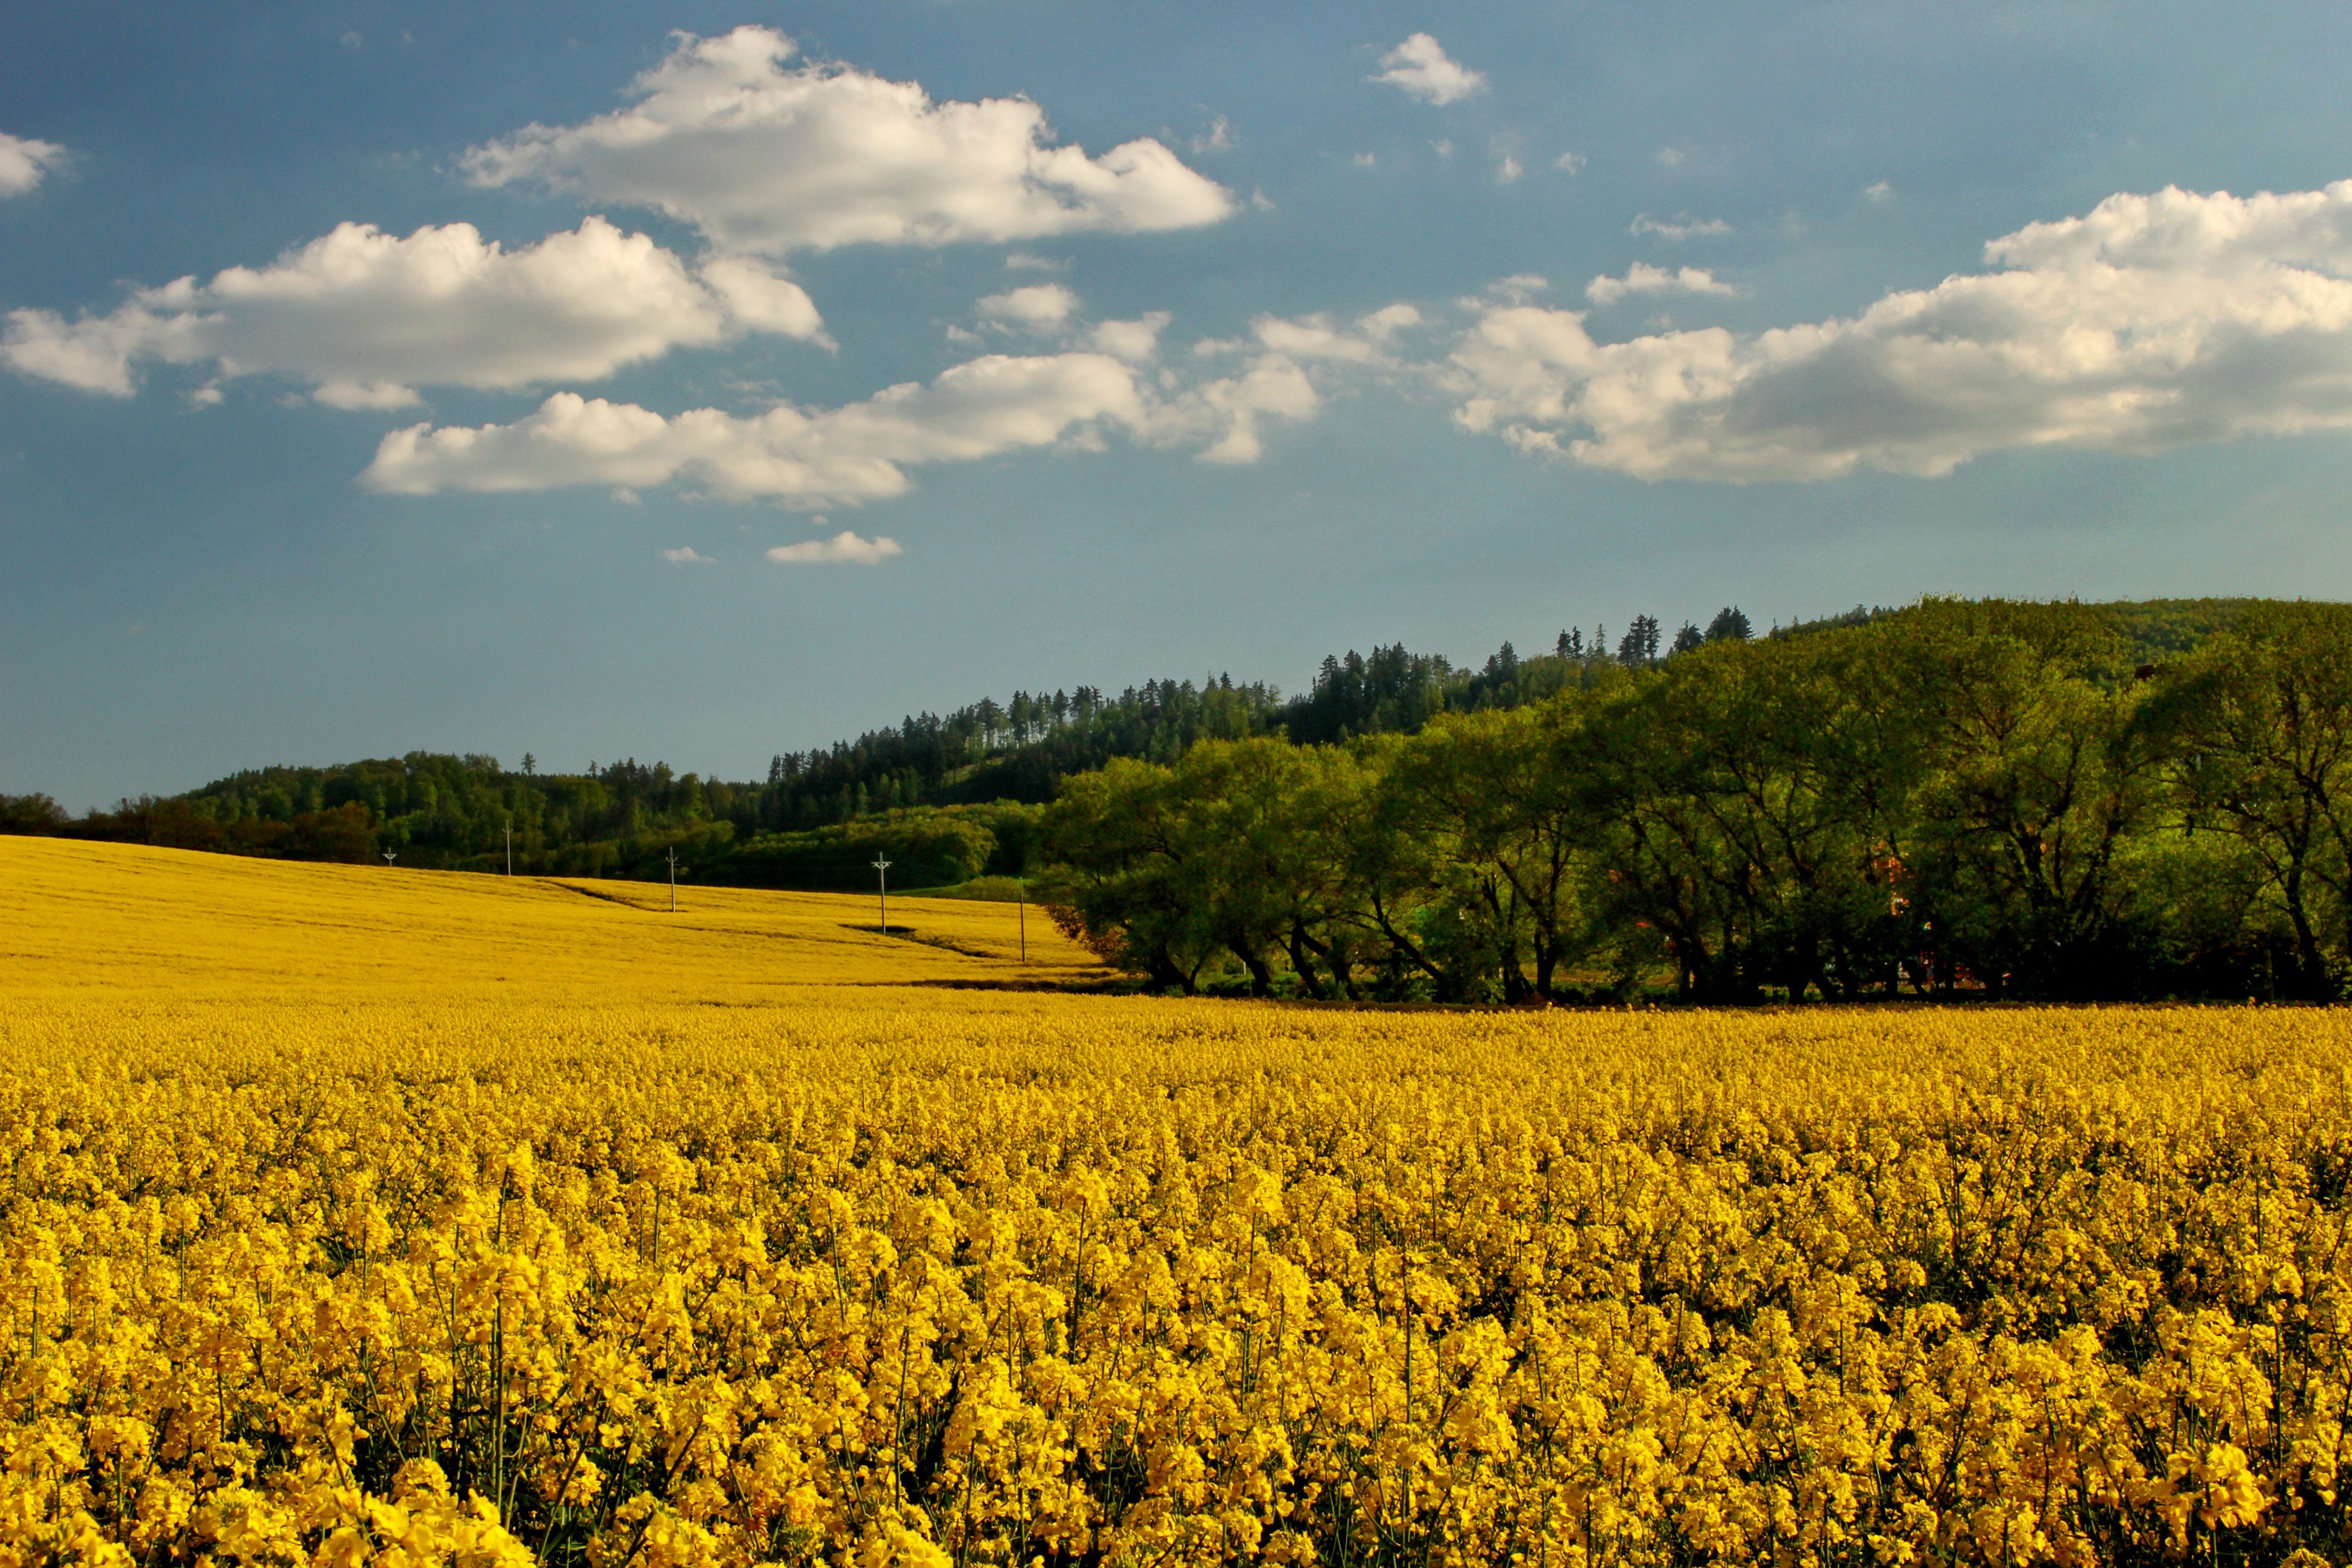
pixel 699 381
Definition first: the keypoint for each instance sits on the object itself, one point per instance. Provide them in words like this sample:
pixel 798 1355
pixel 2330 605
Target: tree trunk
pixel 1302 960
pixel 2310 969
pixel 1261 976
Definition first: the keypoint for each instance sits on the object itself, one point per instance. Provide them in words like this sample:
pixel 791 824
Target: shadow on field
pixel 898 932
pixel 1121 986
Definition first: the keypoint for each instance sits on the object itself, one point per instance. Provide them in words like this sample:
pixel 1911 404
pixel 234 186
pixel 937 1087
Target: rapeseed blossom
pixel 871 1274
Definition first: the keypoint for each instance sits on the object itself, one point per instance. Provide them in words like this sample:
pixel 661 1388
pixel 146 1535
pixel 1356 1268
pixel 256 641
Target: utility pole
pixel 882 868
pixel 1023 885
pixel 673 881
pixel 387 856
pixel 510 847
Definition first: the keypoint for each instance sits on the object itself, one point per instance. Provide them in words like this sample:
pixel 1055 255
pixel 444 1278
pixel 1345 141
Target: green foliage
pixel 988 889
pixel 1977 797
pixel 30 813
pixel 433 811
pixel 2256 728
pixel 625 819
pixel 2151 628
pixel 927 847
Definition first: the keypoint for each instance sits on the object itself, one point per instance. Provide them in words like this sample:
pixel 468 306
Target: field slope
pixel 77 916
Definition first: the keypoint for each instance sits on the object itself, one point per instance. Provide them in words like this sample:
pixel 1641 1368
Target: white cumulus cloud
pixel 1643 279
pixel 770 158
pixel 1388 320
pixel 1230 413
pixel 836 456
pixel 1317 338
pixel 2151 323
pixel 686 555
pixel 1227 413
pixel 861 451
pixel 365 317
pixel 1039 306
pixel 843 546
pixel 758 301
pixel 25 162
pixel 1421 68
pixel 1133 341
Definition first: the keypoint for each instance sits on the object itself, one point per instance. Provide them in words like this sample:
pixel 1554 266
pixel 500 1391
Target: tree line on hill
pixel 1961 798
pixel 1994 799
pixel 922 792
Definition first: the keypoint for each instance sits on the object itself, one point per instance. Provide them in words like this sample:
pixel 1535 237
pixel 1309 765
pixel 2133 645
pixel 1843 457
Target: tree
pixel 1730 625
pixel 2040 784
pixel 2255 729
pixel 1127 886
pixel 1639 647
pixel 1748 805
pixel 340 833
pixel 30 813
pixel 1688 638
pixel 1497 790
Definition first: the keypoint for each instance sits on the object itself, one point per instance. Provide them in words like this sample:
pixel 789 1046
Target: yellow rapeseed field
pixel 354 1215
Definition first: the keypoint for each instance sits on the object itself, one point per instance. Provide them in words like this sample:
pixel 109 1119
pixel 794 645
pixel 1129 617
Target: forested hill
pixel 944 793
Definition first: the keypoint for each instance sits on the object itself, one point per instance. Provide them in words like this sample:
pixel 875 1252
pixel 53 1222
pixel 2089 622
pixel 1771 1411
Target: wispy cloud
pixel 25 162
pixel 1643 279
pixel 1422 69
pixel 843 547
pixel 1683 228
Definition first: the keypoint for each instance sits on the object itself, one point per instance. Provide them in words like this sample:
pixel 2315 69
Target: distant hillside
pixel 2154 628
pixel 948 797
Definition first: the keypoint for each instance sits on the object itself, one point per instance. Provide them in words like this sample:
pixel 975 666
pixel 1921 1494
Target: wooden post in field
pixel 509 849
pixel 1023 884
pixel 882 868
pixel 673 881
